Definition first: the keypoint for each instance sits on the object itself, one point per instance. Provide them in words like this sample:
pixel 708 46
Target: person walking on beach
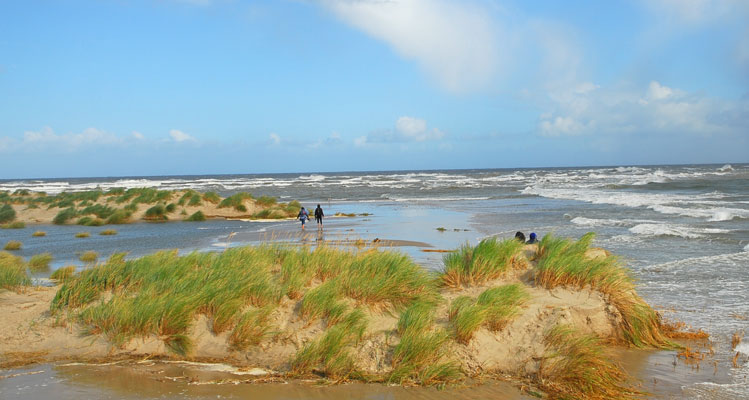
pixel 303 216
pixel 318 216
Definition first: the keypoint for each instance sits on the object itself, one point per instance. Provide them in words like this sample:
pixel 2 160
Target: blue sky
pixel 164 87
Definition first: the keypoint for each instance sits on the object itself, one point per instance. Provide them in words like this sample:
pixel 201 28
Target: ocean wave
pixel 726 168
pixel 746 248
pixel 583 221
pixel 737 260
pixel 674 230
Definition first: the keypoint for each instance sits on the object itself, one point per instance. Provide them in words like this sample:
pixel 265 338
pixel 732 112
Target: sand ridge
pixel 28 328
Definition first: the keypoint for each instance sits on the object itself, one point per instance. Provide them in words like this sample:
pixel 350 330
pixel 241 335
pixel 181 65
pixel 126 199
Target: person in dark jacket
pixel 520 237
pixel 318 216
pixel 533 239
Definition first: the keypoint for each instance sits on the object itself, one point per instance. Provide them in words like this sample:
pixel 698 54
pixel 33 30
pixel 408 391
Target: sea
pixel 683 230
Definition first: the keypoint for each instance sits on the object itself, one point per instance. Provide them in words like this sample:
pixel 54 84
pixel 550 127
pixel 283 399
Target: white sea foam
pixel 688 232
pixel 746 248
pixel 726 168
pixel 583 221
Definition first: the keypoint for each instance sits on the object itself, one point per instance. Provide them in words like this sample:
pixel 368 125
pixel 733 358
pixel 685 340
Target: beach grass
pixel 7 213
pixel 251 328
pixel 223 285
pixel 39 234
pixel 13 245
pixel 39 262
pixel 488 260
pixel 493 308
pixel 64 216
pixel 156 213
pixel 422 354
pixel 89 256
pixel 82 235
pixel 12 272
pixel 211 197
pixel 236 201
pixel 63 273
pixel 89 221
pixel 576 367
pixel 108 232
pixel 322 302
pixel 331 354
pixel 197 216
pixel 564 262
pixel 14 225
pixel 119 217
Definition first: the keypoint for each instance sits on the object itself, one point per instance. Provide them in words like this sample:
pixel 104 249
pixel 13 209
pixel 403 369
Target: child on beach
pixel 318 216
pixel 303 216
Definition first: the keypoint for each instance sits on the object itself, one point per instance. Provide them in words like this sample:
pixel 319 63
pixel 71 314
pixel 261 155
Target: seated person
pixel 533 239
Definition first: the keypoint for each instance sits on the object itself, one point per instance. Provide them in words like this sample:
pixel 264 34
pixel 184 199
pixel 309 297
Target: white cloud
pixel 360 141
pixel 274 139
pixel 138 135
pixel 407 129
pixel 410 126
pixel 454 42
pixel 658 109
pixel 658 92
pixel 179 136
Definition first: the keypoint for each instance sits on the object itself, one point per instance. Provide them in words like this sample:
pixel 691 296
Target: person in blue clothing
pixel 303 216
pixel 532 239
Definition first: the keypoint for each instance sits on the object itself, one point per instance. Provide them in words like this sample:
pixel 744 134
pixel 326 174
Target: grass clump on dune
pixel 331 354
pixel 39 234
pixel 63 216
pixel 40 262
pixel 108 232
pixel 488 260
pixel 236 201
pixel 422 355
pixel 13 245
pixel 7 214
pixel 160 294
pixel 63 273
pixel 14 225
pixel 89 221
pixel 12 272
pixel 211 197
pixel 251 328
pixel 577 368
pixel 119 217
pixel 82 235
pixel 322 301
pixel 563 262
pixel 156 213
pixel 197 216
pixel 494 308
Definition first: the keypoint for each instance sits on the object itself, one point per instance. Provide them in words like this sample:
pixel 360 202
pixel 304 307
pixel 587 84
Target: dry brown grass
pixel 736 339
pixel 578 368
pixel 679 330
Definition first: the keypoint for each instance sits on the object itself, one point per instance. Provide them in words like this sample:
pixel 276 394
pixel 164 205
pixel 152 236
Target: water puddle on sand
pixel 660 374
pixel 203 381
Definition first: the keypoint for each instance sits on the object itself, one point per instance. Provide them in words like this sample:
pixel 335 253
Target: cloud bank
pixel 452 41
